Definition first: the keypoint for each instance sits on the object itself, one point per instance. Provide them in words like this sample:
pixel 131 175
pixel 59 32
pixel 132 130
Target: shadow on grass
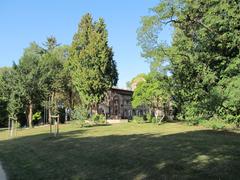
pixel 96 125
pixel 201 154
pixel 3 129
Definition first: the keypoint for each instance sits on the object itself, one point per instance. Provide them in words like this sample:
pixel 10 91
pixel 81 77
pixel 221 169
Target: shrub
pixel 80 113
pixel 80 123
pixel 36 117
pixel 138 119
pixel 151 119
pixel 214 123
pixel 233 119
pixel 99 119
pixel 95 118
pixel 195 121
pixel 102 119
pixel 154 120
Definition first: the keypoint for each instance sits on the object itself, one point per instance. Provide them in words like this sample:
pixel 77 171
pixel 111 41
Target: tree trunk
pixel 70 99
pixel 71 103
pixel 30 114
pixel 49 110
pixel 97 110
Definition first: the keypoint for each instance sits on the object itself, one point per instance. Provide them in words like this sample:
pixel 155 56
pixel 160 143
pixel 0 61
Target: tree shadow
pixel 203 154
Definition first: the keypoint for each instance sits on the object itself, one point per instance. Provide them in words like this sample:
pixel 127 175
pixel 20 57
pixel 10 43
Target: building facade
pixel 117 104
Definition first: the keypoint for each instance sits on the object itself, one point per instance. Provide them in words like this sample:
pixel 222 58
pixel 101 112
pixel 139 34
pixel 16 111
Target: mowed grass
pixel 121 151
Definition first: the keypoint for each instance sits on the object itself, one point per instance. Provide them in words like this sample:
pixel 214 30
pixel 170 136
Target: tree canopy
pixel 93 69
pixel 55 76
pixel 204 54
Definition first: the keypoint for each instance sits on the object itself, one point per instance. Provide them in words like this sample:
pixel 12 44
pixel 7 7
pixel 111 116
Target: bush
pixel 151 119
pixel 79 123
pixel 196 121
pixel 138 119
pixel 99 119
pixel 214 123
pixel 36 117
pixel 233 119
pixel 80 113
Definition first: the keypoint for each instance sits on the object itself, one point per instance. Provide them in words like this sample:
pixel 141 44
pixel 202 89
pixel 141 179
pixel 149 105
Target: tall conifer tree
pixel 93 68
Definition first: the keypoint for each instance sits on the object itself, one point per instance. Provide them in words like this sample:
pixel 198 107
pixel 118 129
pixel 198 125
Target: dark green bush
pixel 233 119
pixel 215 123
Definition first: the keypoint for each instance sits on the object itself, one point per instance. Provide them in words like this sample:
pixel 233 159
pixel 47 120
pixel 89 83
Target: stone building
pixel 117 104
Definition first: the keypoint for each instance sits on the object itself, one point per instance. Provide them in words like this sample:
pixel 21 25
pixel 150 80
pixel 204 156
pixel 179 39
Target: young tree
pixel 93 69
pixel 54 77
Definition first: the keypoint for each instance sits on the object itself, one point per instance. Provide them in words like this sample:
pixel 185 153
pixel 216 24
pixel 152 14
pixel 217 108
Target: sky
pixel 26 21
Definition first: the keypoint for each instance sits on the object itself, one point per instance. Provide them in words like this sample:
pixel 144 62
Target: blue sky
pixel 25 21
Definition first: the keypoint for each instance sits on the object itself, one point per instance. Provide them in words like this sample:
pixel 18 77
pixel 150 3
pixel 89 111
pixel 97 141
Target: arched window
pixel 116 105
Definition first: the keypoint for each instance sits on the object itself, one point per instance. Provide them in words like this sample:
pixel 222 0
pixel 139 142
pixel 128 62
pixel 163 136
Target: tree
pixel 28 87
pixel 4 95
pixel 153 93
pixel 136 80
pixel 204 54
pixel 93 69
pixel 54 77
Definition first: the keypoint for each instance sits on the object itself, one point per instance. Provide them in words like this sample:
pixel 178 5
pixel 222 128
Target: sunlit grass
pixel 121 151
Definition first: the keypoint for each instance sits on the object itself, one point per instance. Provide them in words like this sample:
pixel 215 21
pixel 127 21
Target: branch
pixel 171 18
pixel 177 54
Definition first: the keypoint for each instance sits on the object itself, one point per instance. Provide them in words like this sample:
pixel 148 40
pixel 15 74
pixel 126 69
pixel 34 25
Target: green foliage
pixel 203 58
pixel 36 117
pixel 28 90
pixel 154 92
pixel 214 123
pixel 231 119
pixel 64 76
pixel 3 114
pixel 151 119
pixel 80 113
pixel 138 119
pixel 99 119
pixel 93 69
pixel 4 95
pixel 52 69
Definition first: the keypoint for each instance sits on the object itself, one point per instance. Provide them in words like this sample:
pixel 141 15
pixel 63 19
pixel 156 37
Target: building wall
pixel 117 104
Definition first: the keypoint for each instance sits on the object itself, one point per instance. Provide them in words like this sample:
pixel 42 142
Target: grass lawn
pixel 122 151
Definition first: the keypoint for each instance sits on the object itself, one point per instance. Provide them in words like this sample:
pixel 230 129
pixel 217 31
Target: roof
pixel 122 91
